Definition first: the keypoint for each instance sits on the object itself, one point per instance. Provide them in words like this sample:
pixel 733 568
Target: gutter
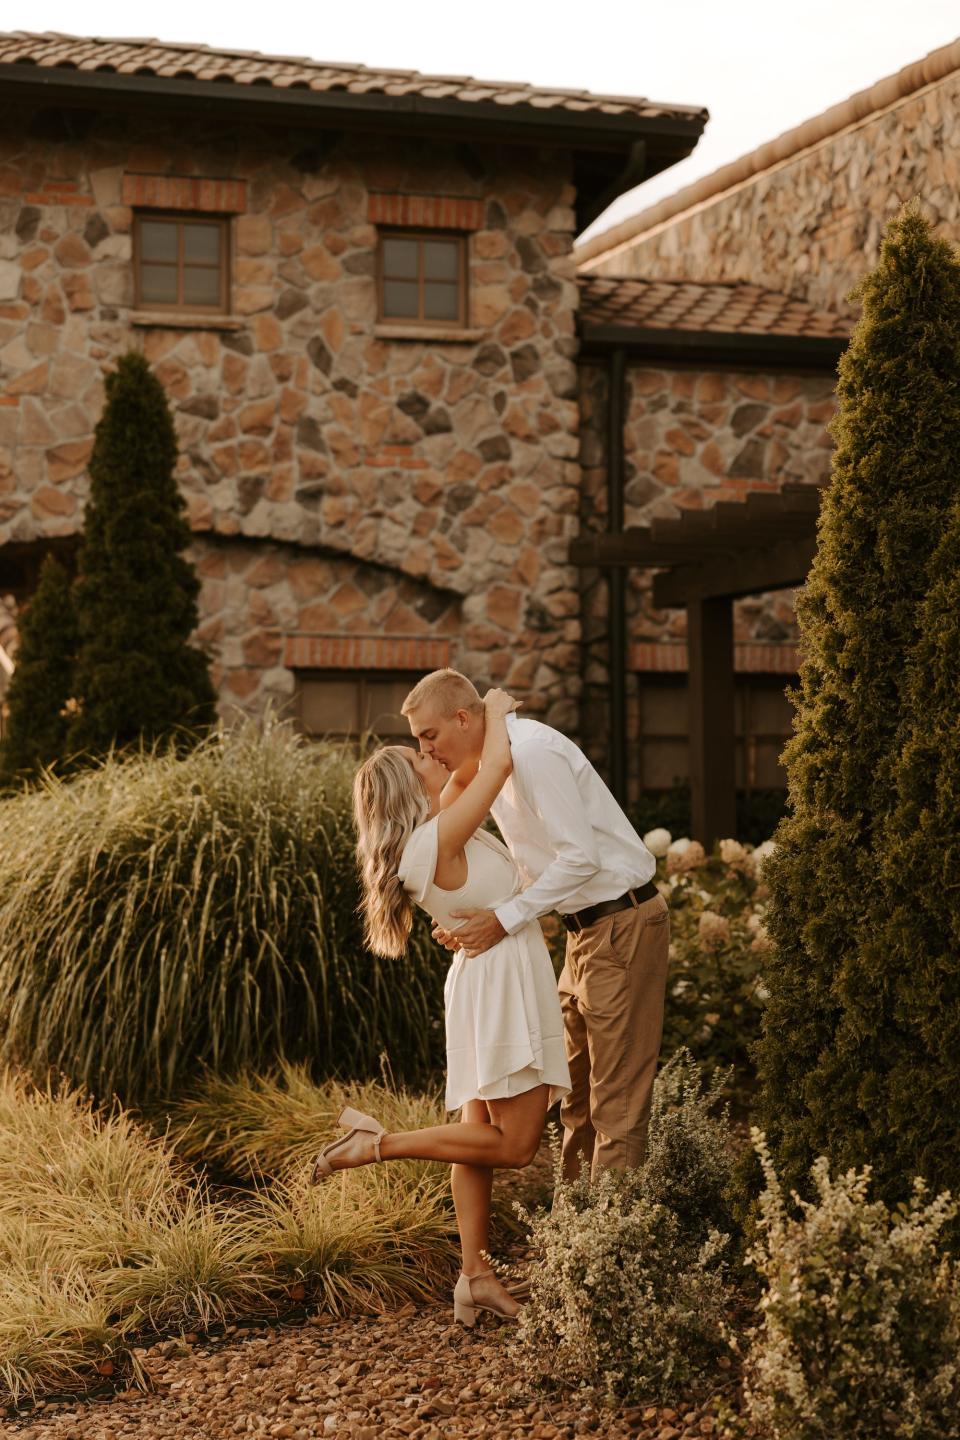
pixel 705 347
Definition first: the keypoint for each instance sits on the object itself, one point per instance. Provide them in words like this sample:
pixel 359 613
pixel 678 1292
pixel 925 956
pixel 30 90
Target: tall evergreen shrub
pixel 43 681
pixel 862 973
pixel 137 675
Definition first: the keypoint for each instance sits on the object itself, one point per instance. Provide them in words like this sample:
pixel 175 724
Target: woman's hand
pixel 498 703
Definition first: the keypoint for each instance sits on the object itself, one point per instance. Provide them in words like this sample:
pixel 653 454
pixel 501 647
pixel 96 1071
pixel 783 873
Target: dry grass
pixel 106 1232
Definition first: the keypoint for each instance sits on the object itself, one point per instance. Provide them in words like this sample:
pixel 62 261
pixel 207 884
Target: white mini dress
pixel 503 1020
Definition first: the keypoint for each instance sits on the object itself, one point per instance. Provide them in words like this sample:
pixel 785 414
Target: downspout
pixel 616 578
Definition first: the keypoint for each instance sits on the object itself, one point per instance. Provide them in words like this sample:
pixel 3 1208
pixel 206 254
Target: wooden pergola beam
pixel 747 572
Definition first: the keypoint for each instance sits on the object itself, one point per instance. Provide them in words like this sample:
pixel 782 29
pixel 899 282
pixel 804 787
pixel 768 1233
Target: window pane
pixel 400 258
pixel 441 302
pixel 441 259
pixel 400 298
pixel 664 762
pixel 201 244
pixel 158 240
pixel 329 707
pixel 663 708
pixel 158 284
pixel 201 287
pixel 383 701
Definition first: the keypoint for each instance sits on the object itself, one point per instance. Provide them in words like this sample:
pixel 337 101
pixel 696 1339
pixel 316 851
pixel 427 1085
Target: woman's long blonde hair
pixel 388 804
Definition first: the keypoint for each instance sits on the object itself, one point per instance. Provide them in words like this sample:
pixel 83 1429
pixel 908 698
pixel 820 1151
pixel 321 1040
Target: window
pixel 422 278
pixel 352 703
pixel 762 720
pixel 181 263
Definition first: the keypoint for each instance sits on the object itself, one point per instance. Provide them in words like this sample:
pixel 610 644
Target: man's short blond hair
pixel 446 691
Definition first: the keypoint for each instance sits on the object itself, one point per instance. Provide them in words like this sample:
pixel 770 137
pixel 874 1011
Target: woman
pixel 420 841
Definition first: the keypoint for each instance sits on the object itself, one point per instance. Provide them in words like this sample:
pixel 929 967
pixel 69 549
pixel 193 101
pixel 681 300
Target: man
pixel 580 855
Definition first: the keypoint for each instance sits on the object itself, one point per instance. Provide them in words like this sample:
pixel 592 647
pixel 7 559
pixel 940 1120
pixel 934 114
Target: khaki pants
pixel 611 994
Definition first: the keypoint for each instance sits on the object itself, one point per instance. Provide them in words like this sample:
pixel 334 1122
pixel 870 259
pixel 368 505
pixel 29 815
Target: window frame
pixel 361 678
pixel 182 219
pixel 462 239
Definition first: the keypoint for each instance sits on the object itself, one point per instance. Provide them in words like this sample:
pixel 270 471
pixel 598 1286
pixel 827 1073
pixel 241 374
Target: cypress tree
pixel 43 681
pixel 915 946
pixel 837 1038
pixel 137 676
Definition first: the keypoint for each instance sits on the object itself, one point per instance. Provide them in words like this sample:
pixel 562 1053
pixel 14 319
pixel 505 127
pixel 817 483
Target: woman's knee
pixel 520 1152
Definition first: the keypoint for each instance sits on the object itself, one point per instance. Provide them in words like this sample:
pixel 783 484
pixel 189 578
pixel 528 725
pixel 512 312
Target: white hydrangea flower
pixel 732 852
pixel 760 852
pixel 658 842
pixel 677 847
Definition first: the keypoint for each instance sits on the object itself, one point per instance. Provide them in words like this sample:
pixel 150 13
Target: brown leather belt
pixel 580 919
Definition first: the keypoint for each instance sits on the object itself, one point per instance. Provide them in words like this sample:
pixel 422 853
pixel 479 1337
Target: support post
pixel 616 580
pixel 711 693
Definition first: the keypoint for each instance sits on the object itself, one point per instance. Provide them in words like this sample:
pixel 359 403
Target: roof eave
pixel 713 347
pixel 591 128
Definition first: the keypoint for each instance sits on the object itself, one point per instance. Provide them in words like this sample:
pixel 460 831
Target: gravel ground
pixel 411 1372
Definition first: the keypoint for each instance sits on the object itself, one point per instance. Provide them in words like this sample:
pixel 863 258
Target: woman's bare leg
pixel 471 1186
pixel 509 1140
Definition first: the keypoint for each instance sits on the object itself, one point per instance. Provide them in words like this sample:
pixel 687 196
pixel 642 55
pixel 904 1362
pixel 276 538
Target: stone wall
pixel 813 225
pixel 253 597
pixel 372 480
pixel 691 438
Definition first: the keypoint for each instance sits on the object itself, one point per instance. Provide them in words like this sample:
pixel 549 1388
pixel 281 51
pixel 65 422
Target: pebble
pixel 356 1378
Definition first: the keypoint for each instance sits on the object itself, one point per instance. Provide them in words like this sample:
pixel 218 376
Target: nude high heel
pixel 354 1147
pixel 465 1307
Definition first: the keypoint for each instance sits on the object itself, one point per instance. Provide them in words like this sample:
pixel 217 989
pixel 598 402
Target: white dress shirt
pixel 571 841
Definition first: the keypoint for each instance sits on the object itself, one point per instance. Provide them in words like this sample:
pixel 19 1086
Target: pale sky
pixel 760 67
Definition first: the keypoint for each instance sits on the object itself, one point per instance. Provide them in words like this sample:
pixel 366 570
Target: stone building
pixel 358 290
pixel 401 394
pixel 773 242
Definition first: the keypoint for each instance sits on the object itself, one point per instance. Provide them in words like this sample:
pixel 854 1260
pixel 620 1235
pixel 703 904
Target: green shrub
pixel 161 914
pixel 43 681
pixel 691 1156
pixel 859 1057
pixel 137 676
pixel 627 1283
pixel 860 1334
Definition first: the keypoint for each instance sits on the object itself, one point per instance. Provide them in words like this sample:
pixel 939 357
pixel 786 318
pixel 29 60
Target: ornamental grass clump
pixel 164 914
pixel 860 1335
pixel 108 1238
pixel 628 1290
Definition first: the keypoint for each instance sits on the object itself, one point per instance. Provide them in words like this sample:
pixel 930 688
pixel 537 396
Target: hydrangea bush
pixel 718 943
pixel 628 1286
pixel 860 1330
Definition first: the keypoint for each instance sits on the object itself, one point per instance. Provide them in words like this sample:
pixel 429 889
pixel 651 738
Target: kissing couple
pixel 514 1044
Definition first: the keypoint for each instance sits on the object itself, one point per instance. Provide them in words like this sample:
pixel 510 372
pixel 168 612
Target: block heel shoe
pixel 466 1305
pixel 360 1145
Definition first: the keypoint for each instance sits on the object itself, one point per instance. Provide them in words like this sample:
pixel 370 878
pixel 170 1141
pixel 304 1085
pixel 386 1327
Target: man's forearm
pixel 559 881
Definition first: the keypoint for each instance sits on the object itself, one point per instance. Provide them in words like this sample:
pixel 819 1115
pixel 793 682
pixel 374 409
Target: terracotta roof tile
pixel 685 305
pixel 249 67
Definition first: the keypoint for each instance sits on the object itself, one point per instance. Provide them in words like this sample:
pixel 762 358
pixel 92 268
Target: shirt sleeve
pixel 550 789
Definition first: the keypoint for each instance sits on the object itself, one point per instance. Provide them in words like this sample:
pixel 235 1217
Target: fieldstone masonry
pixel 811 226
pixel 337 476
